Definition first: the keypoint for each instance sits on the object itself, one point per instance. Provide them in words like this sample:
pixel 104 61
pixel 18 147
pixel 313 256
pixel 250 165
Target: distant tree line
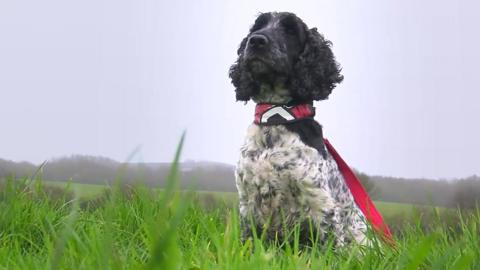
pixel 464 193
pixel 99 170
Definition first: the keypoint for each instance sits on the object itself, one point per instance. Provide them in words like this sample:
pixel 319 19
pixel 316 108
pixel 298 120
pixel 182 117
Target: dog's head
pixel 282 60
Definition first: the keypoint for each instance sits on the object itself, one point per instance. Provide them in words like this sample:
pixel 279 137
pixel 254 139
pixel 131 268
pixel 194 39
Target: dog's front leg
pixel 331 226
pixel 245 221
pixel 338 228
pixel 245 228
pixel 327 217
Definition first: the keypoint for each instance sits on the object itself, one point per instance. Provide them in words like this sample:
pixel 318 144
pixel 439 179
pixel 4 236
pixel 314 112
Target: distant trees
pixel 367 183
pixel 82 168
pixel 417 191
pixel 98 170
pixel 463 193
pixel 16 169
pixel 467 192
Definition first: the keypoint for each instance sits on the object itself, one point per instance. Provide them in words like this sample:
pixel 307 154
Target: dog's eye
pixel 290 25
pixel 260 22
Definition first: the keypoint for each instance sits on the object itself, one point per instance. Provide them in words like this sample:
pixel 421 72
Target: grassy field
pixel 44 227
pixel 230 198
pixel 141 229
pixel 80 189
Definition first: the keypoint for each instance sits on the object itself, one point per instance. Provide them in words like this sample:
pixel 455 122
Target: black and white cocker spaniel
pixel 286 176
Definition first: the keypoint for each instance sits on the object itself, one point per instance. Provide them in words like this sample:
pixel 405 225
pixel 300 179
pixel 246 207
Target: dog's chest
pixel 278 172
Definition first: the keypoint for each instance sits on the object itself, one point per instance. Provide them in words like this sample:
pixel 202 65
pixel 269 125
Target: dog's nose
pixel 257 41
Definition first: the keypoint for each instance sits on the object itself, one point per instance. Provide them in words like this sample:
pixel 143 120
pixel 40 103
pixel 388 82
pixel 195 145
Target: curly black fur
pixel 309 74
pixel 316 72
pixel 242 79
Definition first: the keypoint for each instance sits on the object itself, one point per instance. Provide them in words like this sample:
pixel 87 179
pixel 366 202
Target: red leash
pixel 361 197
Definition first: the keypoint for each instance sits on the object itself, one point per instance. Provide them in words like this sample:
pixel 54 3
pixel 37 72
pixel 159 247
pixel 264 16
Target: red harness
pixel 269 114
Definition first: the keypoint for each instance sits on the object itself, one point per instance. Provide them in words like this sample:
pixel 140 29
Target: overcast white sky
pixel 101 77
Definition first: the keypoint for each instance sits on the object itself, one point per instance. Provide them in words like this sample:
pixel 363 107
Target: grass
pixel 91 190
pixel 141 229
pixel 137 228
pixel 80 189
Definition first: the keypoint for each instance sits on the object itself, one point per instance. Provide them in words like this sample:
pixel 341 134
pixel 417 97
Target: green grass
pixel 392 208
pixel 141 229
pixel 81 189
pixel 137 228
pixel 91 190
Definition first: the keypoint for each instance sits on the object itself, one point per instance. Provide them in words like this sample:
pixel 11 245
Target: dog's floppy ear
pixel 245 85
pixel 316 72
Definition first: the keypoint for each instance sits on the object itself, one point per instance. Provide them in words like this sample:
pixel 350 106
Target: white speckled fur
pixel 282 182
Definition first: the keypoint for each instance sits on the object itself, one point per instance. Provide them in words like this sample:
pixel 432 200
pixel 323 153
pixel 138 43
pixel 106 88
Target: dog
pixel 286 176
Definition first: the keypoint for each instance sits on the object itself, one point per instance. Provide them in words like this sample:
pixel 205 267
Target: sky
pixel 107 77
